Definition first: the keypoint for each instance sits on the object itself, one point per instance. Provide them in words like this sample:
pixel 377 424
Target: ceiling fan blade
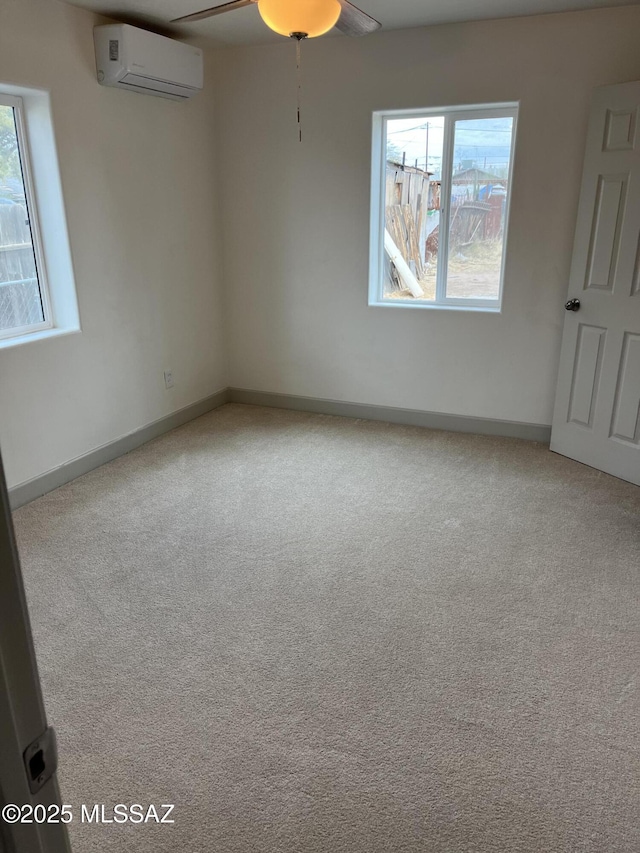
pixel 215 10
pixel 355 22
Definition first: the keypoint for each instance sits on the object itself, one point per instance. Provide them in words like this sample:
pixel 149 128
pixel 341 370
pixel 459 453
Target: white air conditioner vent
pixel 134 59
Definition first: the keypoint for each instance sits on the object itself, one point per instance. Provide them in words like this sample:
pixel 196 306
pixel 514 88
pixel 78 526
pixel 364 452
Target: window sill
pixel 402 303
pixel 42 335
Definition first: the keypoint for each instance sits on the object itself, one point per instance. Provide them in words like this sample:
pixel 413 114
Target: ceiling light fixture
pixel 300 18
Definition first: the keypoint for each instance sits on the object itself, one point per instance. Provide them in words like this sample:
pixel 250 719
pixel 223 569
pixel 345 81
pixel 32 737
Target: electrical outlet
pixel 168 379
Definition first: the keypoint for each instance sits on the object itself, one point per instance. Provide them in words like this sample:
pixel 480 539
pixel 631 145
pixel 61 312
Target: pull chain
pixel 299 82
pixel 298 37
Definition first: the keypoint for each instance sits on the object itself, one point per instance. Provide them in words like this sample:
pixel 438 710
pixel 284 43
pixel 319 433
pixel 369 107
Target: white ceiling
pixel 244 26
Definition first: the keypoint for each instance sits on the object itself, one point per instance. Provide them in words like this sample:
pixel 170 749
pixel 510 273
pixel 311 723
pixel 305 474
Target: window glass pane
pixel 479 189
pixel 20 301
pixel 412 206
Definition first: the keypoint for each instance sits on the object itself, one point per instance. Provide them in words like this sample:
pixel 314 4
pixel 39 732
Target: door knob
pixel 572 305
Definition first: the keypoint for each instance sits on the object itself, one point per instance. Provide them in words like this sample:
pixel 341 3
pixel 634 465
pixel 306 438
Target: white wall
pixel 296 216
pixel 138 176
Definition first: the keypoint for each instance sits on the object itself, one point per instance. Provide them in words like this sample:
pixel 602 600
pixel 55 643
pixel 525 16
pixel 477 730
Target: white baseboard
pixel 32 489
pixel 391 414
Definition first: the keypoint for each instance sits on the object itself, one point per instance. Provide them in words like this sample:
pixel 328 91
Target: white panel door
pixel 596 419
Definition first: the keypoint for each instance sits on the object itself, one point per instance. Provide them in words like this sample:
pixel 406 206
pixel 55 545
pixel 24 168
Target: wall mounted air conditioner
pixel 134 59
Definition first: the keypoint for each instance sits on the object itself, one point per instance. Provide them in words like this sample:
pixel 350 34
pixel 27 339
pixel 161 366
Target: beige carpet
pixel 320 634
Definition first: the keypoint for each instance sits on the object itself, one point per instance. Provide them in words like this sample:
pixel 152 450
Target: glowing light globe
pixel 311 17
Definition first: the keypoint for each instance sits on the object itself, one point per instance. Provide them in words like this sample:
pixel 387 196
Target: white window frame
pixel 16 103
pixel 47 219
pixel 378 190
